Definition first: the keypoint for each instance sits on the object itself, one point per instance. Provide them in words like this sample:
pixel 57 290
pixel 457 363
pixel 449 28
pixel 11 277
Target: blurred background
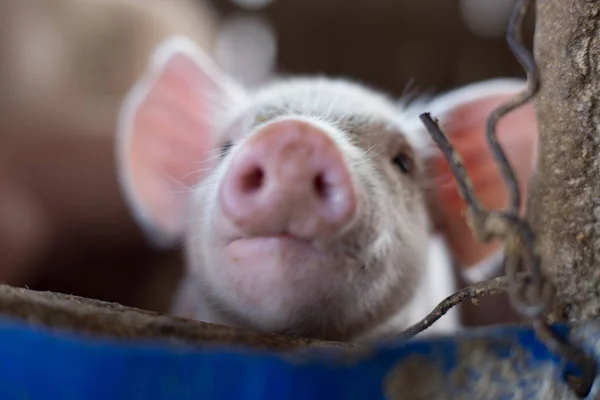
pixel 66 64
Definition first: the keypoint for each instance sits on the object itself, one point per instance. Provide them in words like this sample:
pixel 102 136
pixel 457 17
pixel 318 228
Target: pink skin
pixel 289 179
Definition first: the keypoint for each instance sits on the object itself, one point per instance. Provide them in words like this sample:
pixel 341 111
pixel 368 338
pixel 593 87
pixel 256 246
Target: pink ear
pixel 166 132
pixel 463 114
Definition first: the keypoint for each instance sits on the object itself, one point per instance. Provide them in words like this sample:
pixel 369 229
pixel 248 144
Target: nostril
pixel 252 180
pixel 321 186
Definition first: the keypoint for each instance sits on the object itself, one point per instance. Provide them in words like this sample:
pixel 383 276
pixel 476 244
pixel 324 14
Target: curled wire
pixel 531 295
pixel 514 37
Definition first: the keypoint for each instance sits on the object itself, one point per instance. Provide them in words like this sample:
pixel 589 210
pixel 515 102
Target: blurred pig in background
pixel 66 65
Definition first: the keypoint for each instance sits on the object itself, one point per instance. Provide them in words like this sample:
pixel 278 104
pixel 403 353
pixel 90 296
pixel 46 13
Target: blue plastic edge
pixel 39 363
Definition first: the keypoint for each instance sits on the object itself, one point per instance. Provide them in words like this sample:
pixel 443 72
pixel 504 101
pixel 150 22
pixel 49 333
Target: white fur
pixel 437 283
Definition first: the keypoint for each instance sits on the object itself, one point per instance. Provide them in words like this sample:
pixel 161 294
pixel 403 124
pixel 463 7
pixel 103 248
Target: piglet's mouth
pixel 260 248
pixel 283 239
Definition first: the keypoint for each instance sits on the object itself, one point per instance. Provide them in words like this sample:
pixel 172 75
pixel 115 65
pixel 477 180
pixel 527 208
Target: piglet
pixel 305 207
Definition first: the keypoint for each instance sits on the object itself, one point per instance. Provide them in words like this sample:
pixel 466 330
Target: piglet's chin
pixel 278 273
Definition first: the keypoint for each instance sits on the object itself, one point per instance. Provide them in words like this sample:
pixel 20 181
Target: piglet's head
pixel 301 205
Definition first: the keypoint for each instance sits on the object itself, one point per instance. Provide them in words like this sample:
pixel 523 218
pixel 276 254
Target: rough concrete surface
pixel 94 317
pixel 565 207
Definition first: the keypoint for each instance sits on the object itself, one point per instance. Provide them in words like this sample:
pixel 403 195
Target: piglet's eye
pixel 225 148
pixel 403 163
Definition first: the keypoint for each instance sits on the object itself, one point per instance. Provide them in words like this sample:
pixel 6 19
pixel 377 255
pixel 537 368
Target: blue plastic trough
pixel 499 363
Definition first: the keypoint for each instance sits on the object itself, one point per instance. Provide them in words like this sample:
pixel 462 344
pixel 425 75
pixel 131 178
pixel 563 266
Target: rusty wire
pixel 514 37
pixel 492 286
pixel 529 291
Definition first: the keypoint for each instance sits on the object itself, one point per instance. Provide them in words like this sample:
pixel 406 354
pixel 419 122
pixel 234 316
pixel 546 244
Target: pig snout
pixel 289 178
